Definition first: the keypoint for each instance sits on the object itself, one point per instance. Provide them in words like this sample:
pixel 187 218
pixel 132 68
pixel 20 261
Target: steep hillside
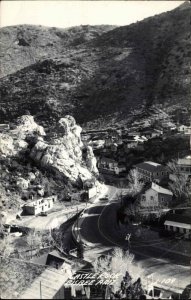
pixel 101 74
pixel 24 45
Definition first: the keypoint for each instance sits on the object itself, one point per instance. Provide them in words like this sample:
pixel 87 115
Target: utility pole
pixel 152 287
pixel 40 290
pixel 77 225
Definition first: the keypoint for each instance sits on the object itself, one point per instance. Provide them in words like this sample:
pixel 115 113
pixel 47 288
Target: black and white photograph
pixel 95 149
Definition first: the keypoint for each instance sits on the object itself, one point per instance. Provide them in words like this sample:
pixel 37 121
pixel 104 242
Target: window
pixel 143 197
pixel 162 198
pixel 152 198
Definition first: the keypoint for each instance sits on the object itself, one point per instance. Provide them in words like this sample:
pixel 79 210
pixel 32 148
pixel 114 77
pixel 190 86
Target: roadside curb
pixel 74 231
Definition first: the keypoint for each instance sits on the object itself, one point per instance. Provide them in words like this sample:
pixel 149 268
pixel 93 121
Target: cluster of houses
pixel 156 197
pixel 45 204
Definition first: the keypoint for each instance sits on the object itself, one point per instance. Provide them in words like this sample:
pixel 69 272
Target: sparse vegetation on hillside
pixel 93 72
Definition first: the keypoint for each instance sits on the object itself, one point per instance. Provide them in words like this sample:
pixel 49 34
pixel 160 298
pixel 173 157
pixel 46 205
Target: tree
pixel 5 246
pixel 135 183
pixel 118 263
pixel 180 185
pixel 34 241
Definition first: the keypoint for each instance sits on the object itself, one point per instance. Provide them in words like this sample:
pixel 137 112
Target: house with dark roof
pixel 151 172
pixel 155 197
pixel 179 223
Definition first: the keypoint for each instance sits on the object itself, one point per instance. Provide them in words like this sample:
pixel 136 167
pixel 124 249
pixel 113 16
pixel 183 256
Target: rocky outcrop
pixel 64 155
pixel 91 160
pixel 9 146
pixel 22 183
pixel 13 141
pixel 27 126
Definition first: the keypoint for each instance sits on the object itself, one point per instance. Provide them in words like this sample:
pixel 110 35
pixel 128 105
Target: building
pixel 52 282
pixel 110 166
pixel 179 223
pixel 49 285
pixel 156 197
pixel 88 193
pixel 151 133
pixel 151 172
pixel 184 129
pixel 184 165
pixel 54 259
pixel 40 205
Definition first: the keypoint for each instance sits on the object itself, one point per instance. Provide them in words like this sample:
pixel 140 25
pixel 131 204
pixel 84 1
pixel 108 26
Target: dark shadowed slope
pixel 103 73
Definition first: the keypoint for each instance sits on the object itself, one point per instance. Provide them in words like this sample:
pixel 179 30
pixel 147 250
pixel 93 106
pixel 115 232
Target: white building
pixel 178 223
pixel 110 165
pixel 156 197
pixel 40 205
pixel 184 129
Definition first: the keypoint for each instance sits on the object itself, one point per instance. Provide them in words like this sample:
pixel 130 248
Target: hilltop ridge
pixel 96 71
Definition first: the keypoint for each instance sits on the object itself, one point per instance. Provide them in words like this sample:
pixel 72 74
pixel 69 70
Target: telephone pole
pixel 40 290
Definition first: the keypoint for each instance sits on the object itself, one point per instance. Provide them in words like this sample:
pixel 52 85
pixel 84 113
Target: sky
pixel 72 13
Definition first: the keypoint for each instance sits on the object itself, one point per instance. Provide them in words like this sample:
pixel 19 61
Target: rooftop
pixel 13 281
pixel 160 189
pixel 50 280
pixel 180 218
pixel 108 160
pixel 185 161
pixel 34 201
pixel 150 166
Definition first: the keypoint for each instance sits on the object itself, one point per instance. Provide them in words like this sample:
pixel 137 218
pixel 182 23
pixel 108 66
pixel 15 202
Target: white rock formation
pixel 22 183
pixel 64 155
pixel 91 160
pixel 10 146
pixel 13 142
pixel 31 176
pixel 27 125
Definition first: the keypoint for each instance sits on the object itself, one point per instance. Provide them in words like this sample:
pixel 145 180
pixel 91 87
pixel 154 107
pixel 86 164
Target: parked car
pixel 103 199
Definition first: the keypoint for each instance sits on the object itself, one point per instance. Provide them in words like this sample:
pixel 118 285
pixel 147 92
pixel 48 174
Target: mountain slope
pixel 24 45
pixel 113 72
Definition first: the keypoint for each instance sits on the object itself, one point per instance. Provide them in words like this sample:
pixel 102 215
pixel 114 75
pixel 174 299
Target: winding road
pixel 98 228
